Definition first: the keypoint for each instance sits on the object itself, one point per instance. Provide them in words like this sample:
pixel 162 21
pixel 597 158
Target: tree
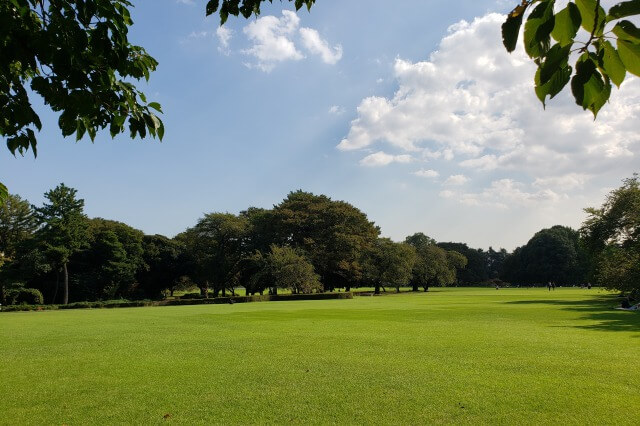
pixel 214 249
pixel 17 224
pixel 109 264
pixel 554 254
pixel 389 264
pixel 291 270
pixel 599 63
pixel 63 228
pixel 476 271
pixel 334 234
pixel 612 235
pixel 163 258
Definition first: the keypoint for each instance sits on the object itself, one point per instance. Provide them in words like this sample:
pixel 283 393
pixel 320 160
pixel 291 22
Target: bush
pixel 25 296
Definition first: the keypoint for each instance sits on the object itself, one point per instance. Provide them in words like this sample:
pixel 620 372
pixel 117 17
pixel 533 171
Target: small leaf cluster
pixel 76 55
pixel 551 38
pixel 245 8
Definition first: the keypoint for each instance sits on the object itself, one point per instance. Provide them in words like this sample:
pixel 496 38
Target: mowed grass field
pixel 513 356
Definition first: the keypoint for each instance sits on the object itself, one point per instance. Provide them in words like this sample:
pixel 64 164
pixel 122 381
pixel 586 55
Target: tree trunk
pixel 171 292
pixel 415 287
pixel 426 288
pixel 55 290
pixel 347 288
pixel 65 300
pixel 275 291
pixel 377 291
pixel 224 292
pixel 397 289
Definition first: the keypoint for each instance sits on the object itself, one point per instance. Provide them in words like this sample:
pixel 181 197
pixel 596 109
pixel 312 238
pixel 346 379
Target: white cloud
pixel 456 180
pixel 382 159
pixel 474 103
pixel 564 182
pixel 224 36
pixel 271 38
pixel 189 2
pixel 274 41
pixel 336 110
pixel 312 41
pixel 505 193
pixel 427 173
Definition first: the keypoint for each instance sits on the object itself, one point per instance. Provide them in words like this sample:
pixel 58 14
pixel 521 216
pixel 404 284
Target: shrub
pixel 25 296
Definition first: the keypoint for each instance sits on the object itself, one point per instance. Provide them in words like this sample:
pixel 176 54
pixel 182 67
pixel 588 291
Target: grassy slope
pixel 451 355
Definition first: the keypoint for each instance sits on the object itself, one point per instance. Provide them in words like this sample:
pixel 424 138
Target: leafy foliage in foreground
pixel 583 27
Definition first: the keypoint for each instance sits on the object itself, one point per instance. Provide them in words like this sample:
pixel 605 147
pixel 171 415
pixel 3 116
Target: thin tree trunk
pixel 398 289
pixel 415 287
pixel 55 290
pixel 65 300
pixel 377 291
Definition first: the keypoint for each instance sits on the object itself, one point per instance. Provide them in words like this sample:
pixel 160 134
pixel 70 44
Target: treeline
pixel 307 243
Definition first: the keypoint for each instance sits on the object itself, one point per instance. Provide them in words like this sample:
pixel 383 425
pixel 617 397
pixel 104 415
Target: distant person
pixel 553 285
pixel 497 287
pixel 588 286
pixel 549 285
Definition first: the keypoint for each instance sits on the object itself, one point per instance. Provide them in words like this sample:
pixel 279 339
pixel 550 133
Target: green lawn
pixel 511 356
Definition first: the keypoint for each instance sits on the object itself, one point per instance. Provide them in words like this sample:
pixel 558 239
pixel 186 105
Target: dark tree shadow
pixel 600 308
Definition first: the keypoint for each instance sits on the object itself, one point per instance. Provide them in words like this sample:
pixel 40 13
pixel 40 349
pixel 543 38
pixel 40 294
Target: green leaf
pixel 554 85
pixel 4 193
pixel 538 29
pixel 630 56
pixel 556 59
pixel 588 10
pixel 511 27
pixel 611 63
pixel 589 89
pixel 212 6
pixel 155 106
pixel 625 30
pixel 624 9
pixel 566 25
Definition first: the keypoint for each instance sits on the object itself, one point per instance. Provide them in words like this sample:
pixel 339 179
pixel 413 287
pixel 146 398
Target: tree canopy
pixel 612 233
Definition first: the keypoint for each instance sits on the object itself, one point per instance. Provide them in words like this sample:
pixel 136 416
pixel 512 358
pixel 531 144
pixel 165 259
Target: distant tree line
pixel 307 243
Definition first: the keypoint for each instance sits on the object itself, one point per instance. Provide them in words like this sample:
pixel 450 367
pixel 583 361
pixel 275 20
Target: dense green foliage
pixel 305 244
pixel 76 55
pixel 555 254
pixel 583 26
pixel 463 356
pixel 612 233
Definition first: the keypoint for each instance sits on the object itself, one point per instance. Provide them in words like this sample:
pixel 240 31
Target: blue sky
pixel 410 110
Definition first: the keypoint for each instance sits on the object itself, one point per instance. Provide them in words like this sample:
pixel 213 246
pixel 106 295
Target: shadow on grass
pixel 598 308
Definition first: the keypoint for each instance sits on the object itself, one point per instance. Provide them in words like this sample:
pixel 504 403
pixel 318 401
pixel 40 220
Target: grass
pixel 513 356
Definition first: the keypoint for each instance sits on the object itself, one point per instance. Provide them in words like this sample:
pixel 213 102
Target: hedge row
pixel 181 301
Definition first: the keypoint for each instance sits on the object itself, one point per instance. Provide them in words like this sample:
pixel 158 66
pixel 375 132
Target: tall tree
pixel 164 265
pixel 334 234
pixel 215 246
pixel 389 264
pixel 63 228
pixel 612 234
pixel 17 224
pixel 552 254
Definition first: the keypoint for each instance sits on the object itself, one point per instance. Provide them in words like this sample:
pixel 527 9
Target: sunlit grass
pixel 511 356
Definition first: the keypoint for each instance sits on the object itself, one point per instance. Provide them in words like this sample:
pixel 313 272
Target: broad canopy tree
pixel 612 235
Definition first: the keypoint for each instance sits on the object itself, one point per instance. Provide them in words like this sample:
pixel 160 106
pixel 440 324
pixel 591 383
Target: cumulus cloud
pixel 224 37
pixel 504 193
pixel 456 180
pixel 312 41
pixel 472 103
pixel 427 173
pixel 381 158
pixel 273 40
